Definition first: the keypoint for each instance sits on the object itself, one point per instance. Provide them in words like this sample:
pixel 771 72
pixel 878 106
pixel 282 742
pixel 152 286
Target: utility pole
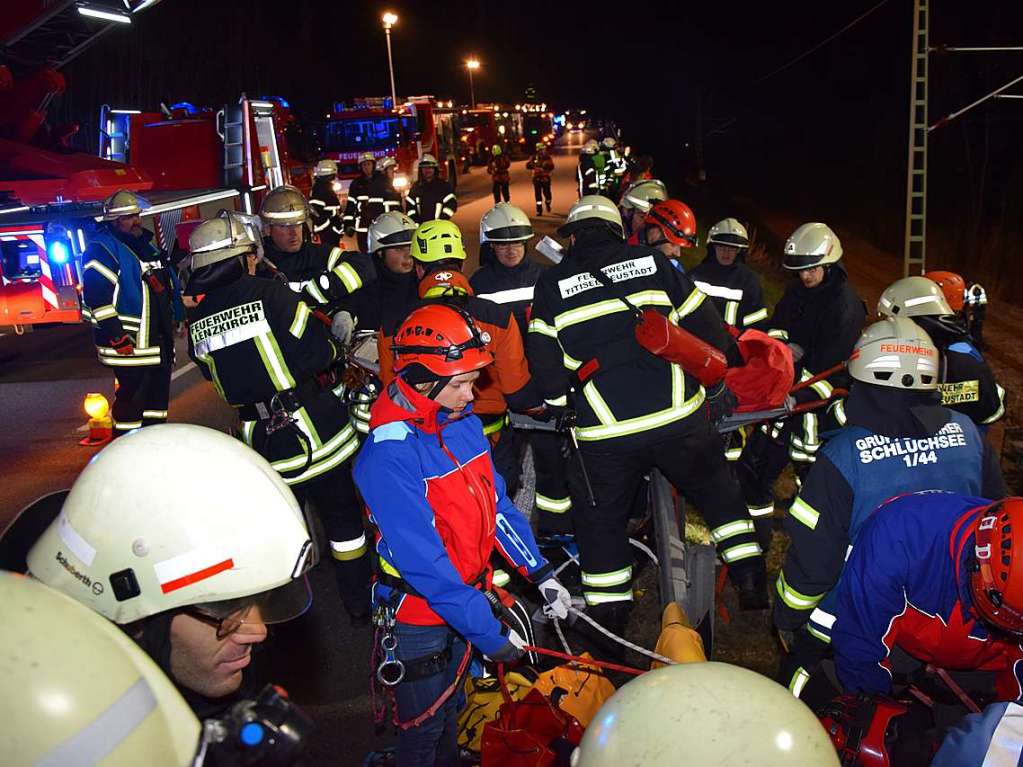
pixel 914 252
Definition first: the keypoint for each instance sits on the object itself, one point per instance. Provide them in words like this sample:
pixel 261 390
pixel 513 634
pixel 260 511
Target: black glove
pixel 511 651
pixel 720 401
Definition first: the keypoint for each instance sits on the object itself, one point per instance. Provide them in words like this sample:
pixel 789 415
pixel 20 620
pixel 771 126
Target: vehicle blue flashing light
pixel 187 106
pixel 59 252
pixel 281 102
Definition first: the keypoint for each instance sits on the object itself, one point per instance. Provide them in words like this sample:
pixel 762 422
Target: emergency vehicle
pixel 186 165
pixel 420 125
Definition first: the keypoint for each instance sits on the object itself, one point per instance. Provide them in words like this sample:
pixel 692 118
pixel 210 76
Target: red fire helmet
pixel 952 285
pixel 997 581
pixel 675 219
pixel 441 339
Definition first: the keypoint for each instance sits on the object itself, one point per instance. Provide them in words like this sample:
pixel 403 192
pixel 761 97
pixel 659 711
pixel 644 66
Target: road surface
pixel 44 377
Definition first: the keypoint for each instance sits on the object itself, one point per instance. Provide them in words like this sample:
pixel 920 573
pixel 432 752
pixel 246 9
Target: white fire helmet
pixel 284 206
pixel 427 161
pixel 643 195
pixel 219 239
pixel 80 691
pixel 505 223
pixel 589 209
pixel 325 168
pixel 704 714
pixel 897 353
pixel 367 157
pixel 390 230
pixel 385 163
pixel 728 232
pixel 811 245
pixel 123 203
pixel 913 297
pixel 177 515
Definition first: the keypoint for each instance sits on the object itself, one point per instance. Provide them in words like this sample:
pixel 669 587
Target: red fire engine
pixel 187 166
pixel 421 125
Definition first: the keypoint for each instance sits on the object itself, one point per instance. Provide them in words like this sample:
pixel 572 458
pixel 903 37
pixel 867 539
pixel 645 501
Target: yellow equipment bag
pixel 576 689
pixel 484 699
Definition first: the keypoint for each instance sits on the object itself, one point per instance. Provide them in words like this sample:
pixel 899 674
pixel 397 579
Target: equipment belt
pixel 289 399
pixel 400 584
pixel 428 665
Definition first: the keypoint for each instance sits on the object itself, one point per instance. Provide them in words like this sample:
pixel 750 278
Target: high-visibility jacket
pixel 586 176
pixel 254 338
pixel 321 274
pixel 906 585
pixel 735 291
pixel 633 395
pixel 325 209
pixel 129 288
pixel 499 169
pixel 368 197
pixel 855 472
pixel 430 200
pixel 440 510
pixel 542 166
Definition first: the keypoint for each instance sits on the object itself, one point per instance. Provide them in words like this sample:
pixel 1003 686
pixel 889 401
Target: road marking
pixel 182 370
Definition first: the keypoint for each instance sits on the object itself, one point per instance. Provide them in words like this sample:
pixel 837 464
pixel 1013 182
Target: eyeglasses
pixel 225 626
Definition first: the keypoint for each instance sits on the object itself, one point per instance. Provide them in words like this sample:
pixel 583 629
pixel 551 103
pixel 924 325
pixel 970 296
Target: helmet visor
pixel 797 263
pixel 276 605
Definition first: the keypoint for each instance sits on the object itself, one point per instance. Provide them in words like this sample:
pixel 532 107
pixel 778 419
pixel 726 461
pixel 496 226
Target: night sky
pixel 825 137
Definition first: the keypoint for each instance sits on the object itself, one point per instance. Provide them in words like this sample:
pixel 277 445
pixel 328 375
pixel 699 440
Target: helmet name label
pixel 620 272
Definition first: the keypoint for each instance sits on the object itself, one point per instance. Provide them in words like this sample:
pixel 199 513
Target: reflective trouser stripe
pixel 614 578
pixel 603 597
pixel 553 505
pixel 798 681
pixel 127 425
pixel 348 550
pixel 793 598
pixel 154 414
pixel 741 551
pixel 761 511
pixel 731 529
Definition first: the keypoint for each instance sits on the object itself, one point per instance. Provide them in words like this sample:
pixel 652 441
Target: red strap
pixel 584 661
pixel 442 698
pixel 588 370
pixel 960 693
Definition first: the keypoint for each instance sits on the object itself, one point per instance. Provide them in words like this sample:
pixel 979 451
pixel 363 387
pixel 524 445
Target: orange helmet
pixel 444 283
pixel 675 219
pixel 952 285
pixel 997 581
pixel 442 340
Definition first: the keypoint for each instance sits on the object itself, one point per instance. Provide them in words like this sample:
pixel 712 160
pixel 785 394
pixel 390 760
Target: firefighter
pixel 325 276
pixel 507 277
pixel 581 345
pixel 194 576
pixel 368 196
pixel 669 227
pixel 438 254
pixel 966 382
pixel 614 168
pixel 638 168
pixel 324 205
pixel 440 510
pixel 431 197
pixel 690 713
pixel 934 579
pixel 976 311
pixel 820 317
pixel 263 348
pixel 636 202
pixel 499 169
pixel 388 168
pixel 132 298
pixel 898 439
pixel 586 173
pixel 542 166
pixel 723 275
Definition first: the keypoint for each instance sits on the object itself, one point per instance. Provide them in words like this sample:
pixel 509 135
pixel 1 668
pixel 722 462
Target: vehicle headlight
pixel 400 181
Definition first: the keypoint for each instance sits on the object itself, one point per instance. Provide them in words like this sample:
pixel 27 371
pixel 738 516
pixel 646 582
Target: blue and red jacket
pixel 907 583
pixel 440 509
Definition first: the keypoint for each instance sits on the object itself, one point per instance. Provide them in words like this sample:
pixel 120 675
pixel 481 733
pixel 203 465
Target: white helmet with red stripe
pixel 174 516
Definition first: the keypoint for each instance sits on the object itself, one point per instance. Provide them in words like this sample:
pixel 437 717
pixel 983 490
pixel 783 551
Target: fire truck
pixel 187 166
pixel 419 125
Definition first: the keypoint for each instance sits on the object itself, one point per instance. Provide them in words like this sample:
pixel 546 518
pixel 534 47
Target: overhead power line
pixel 819 45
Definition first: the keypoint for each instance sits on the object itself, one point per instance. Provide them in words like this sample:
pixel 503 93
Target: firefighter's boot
pixel 749 576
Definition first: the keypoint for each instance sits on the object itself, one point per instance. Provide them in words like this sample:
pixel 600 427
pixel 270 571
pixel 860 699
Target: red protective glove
pixel 124 345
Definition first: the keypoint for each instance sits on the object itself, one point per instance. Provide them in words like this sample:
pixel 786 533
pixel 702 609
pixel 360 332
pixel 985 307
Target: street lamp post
pixel 389 21
pixel 472 65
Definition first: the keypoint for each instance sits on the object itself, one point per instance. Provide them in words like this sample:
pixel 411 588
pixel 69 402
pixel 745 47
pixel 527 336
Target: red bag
pixel 763 382
pixel 529 733
pixel 670 342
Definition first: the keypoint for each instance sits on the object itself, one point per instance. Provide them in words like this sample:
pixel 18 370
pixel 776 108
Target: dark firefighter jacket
pixel 430 200
pixel 323 275
pixel 735 290
pixel 326 212
pixel 575 320
pixel 367 199
pixel 510 287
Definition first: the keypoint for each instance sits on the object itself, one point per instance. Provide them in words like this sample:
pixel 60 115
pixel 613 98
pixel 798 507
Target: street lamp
pixel 472 65
pixel 390 20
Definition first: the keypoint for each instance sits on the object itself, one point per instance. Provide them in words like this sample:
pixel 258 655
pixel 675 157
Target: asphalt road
pixel 44 377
